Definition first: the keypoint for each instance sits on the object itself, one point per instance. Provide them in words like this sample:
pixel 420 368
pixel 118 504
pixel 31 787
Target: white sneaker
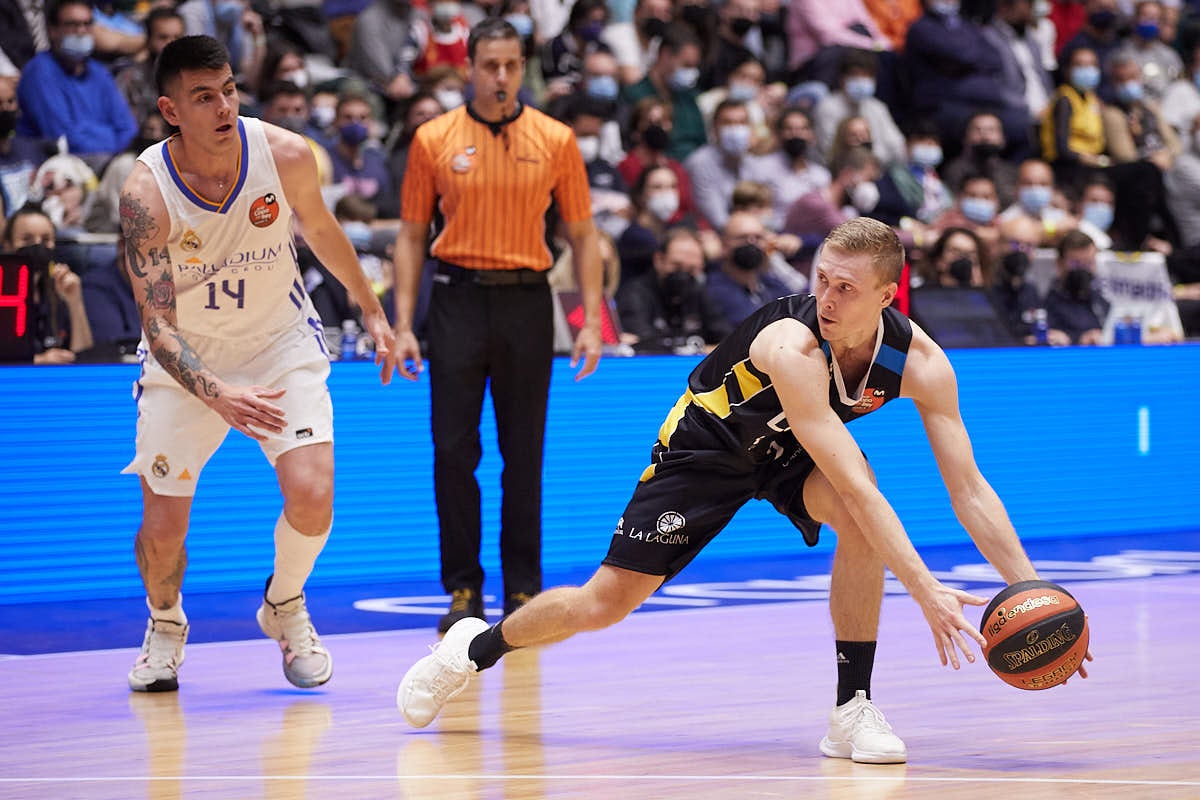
pixel 306 663
pixel 157 668
pixel 439 676
pixel 859 732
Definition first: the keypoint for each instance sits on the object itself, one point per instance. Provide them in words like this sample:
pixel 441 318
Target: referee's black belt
pixel 452 274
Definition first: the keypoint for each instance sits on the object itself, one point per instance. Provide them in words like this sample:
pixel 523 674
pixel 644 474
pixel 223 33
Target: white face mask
pixel 589 148
pixel 865 196
pixel 322 116
pixel 448 98
pixel 298 77
pixel 734 139
pixel 663 205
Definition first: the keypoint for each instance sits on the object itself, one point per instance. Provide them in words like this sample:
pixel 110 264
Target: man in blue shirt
pixel 743 281
pixel 65 92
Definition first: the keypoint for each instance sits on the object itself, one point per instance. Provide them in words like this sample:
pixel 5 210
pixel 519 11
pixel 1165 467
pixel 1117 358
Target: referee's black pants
pixel 503 335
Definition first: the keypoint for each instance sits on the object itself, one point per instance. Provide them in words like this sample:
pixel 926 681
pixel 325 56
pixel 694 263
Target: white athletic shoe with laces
pixel 157 667
pixel 859 732
pixel 306 662
pixel 439 676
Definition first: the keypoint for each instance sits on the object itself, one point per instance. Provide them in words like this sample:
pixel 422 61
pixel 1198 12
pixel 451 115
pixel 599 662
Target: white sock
pixel 172 614
pixel 295 555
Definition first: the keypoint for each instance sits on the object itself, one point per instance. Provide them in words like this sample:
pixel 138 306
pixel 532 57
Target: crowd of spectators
pixel 723 140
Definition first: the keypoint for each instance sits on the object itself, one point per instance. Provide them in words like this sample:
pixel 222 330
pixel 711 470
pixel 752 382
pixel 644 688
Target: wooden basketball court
pixel 714 703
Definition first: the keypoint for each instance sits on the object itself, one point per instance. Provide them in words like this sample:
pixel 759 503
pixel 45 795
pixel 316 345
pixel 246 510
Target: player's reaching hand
pixel 943 611
pixel 243 406
pixel 377 326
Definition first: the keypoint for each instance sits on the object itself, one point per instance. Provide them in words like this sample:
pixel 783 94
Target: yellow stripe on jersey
pixel 748 382
pixel 715 401
pixel 647 474
pixel 672 420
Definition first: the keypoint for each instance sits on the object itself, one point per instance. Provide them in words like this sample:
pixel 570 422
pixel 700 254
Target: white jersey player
pixel 230 339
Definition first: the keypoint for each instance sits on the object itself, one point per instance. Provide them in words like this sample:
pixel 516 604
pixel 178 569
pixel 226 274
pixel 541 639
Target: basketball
pixel 1036 634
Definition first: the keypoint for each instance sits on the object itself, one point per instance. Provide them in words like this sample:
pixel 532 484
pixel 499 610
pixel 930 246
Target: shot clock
pixel 17 278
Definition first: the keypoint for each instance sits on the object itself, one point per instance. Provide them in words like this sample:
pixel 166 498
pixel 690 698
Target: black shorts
pixel 690 495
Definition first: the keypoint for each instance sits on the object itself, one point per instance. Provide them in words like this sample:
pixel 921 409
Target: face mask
pixel 926 155
pixel 1129 92
pixel 1086 78
pixel 602 87
pixel 8 123
pixel 984 151
pixel 448 98
pixel 960 270
pixel 228 13
pixel 1102 20
pixel 322 116
pixel 353 133
pixel 359 234
pixel 734 139
pixel 36 256
pixel 1034 198
pixel 859 89
pixel 1098 214
pixel 663 205
pixel 77 46
pixel 298 78
pixel 295 124
pixel 589 148
pixel 795 146
pixel 747 257
pixel 740 25
pixel 677 286
pixel 742 92
pixel 653 28
pixel 446 11
pixel 656 138
pixel 1015 264
pixel 1078 285
pixel 591 32
pixel 979 210
pixel 523 23
pixel 944 8
pixel 865 196
pixel 684 78
pixel 1147 31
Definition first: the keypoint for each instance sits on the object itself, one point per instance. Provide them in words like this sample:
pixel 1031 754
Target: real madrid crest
pixel 160 467
pixel 189 241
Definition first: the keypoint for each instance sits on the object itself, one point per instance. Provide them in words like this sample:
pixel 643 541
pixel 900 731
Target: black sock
pixel 855 661
pixel 487 648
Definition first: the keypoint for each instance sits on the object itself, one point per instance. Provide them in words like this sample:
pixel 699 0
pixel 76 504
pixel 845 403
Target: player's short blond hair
pixel 866 236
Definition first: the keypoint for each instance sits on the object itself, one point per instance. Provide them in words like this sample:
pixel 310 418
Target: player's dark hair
pixel 190 52
pixel 492 28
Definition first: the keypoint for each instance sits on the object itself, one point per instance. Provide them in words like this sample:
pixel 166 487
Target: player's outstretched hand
pixel 943 611
pixel 385 343
pixel 243 406
pixel 408 355
pixel 589 345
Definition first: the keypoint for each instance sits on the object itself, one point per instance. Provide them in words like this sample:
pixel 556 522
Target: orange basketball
pixel 1036 635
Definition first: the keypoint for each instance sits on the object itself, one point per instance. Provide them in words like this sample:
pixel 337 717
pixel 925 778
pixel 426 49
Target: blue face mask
pixel 742 92
pixel 602 87
pixel 1085 78
pixel 359 234
pixel 926 156
pixel 1147 31
pixel 522 22
pixel 1035 198
pixel 979 210
pixel 1098 214
pixel 1129 92
pixel 591 32
pixel 684 78
pixel 77 46
pixel 353 133
pixel 859 89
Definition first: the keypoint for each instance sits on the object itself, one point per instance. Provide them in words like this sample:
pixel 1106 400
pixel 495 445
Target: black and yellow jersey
pixel 730 405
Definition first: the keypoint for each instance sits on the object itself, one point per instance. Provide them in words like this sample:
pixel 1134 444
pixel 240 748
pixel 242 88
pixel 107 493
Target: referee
pixel 491 168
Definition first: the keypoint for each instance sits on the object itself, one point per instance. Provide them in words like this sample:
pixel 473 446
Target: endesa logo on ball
pixel 264 210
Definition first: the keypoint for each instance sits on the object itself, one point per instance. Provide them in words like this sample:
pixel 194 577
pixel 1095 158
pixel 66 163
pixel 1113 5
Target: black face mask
pixel 1078 285
pixel 1102 20
pixel 656 138
pixel 8 122
pixel 795 147
pixel 740 25
pixel 1015 264
pixel 677 286
pixel 960 270
pixel 37 256
pixel 748 257
pixel 653 27
pixel 984 150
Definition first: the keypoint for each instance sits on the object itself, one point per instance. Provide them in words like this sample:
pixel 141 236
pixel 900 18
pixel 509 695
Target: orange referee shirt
pixel 493 188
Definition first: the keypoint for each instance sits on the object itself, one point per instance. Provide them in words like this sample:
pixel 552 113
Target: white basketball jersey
pixel 235 261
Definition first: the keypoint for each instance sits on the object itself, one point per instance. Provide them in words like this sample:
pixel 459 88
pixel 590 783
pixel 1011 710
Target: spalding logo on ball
pixel 1037 635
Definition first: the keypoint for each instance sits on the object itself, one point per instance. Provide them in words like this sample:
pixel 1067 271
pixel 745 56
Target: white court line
pixel 612 778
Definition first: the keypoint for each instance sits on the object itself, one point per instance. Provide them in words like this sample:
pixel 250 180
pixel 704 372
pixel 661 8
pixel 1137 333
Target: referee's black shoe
pixel 463 603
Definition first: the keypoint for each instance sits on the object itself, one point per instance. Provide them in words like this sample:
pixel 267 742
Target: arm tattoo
pixel 160 295
pixel 138 227
pixel 184 365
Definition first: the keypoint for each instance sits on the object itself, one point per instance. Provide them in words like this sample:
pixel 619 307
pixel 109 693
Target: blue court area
pixel 1092 450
